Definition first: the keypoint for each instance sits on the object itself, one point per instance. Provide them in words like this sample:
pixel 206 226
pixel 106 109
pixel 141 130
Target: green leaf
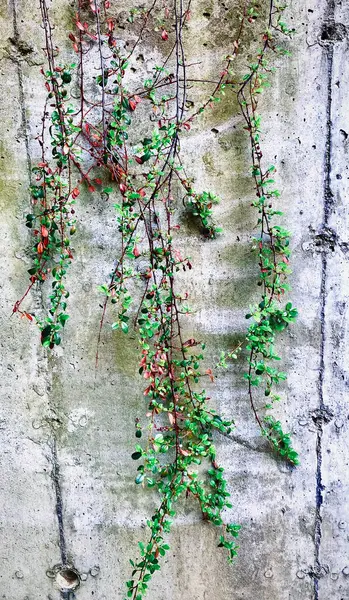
pixel 124 327
pixel 63 318
pixel 136 455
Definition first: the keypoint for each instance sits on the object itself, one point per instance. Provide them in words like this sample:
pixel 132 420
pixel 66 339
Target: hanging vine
pixel 272 245
pixel 97 141
pixel 52 218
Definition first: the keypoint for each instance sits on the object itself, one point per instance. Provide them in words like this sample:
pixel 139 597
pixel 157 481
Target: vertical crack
pixel 56 478
pixel 328 200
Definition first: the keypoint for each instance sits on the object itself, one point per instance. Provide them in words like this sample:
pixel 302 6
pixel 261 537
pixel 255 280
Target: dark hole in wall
pixel 67 579
pixel 333 32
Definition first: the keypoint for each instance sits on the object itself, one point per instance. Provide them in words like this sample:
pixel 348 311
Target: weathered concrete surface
pixel 66 436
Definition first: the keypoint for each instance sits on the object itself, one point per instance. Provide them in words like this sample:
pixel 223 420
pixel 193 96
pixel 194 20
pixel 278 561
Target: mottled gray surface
pixel 66 435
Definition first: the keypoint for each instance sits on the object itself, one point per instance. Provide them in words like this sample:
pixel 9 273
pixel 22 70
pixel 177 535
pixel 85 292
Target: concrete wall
pixel 67 489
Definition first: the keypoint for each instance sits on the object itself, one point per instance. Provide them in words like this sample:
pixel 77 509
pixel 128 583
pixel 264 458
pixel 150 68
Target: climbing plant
pixel 100 143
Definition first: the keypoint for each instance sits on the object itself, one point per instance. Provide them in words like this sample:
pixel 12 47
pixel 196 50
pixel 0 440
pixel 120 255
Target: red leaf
pixel 132 104
pixel 72 37
pixel 75 193
pixel 190 343
pixel 44 231
pixel 210 374
pixel 120 171
pixel 98 181
pixel 47 86
pixel 91 188
pixel 164 35
pixel 76 47
pixel 40 248
pixel 123 188
pixel 139 160
pixel 136 252
pixel 184 452
pixel 80 26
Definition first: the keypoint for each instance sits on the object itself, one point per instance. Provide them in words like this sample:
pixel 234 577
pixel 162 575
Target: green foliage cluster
pixel 52 218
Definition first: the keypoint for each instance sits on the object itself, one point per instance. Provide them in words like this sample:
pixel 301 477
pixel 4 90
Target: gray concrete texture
pixel 66 436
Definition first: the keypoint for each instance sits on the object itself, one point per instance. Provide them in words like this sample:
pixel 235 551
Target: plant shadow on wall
pixel 102 142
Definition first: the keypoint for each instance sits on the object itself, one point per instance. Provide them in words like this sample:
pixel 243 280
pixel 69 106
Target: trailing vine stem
pixel 95 142
pixel 272 245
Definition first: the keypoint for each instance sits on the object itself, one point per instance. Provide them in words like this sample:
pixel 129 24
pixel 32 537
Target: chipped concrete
pixel 66 433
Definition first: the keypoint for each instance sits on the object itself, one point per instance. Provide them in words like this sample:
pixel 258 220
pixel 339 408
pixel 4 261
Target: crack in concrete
pixel 245 443
pixel 56 478
pixel 328 201
pixel 57 485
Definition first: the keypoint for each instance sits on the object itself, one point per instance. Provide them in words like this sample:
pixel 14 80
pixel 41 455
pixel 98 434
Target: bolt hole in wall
pixel 333 32
pixel 67 579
